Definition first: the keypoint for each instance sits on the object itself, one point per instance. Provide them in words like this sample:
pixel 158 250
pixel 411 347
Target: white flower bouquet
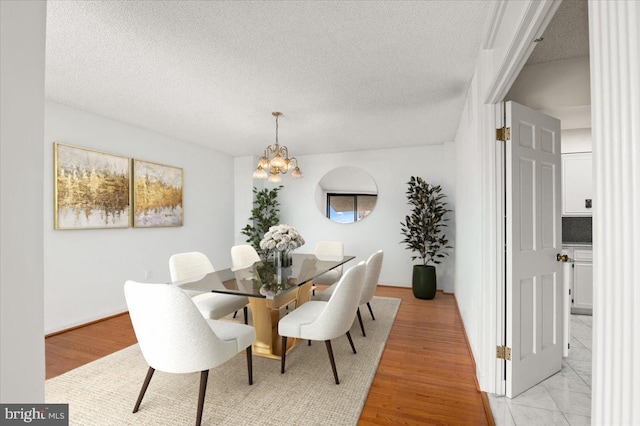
pixel 281 238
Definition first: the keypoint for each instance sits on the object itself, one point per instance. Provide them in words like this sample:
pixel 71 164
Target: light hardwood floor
pixel 426 374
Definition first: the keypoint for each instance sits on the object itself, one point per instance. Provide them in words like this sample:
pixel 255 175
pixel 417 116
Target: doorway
pixel 555 80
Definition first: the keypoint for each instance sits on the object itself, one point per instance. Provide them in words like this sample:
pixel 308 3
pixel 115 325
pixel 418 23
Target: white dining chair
pixel 328 251
pixel 192 266
pixel 319 320
pixel 243 256
pixel 175 338
pixel 371 276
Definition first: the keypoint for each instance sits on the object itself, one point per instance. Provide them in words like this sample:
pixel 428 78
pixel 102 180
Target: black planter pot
pixel 424 281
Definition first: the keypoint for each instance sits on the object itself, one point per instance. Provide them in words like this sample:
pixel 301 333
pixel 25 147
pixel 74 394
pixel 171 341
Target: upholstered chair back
pixel 371 276
pixel 338 315
pixel 172 333
pixel 243 255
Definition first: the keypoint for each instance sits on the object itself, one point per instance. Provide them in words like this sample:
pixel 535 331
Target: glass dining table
pixel 272 291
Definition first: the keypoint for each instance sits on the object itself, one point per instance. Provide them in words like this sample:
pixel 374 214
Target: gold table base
pixel 267 313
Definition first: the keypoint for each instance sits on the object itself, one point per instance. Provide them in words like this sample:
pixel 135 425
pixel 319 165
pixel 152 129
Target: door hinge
pixel 503 352
pixel 503 134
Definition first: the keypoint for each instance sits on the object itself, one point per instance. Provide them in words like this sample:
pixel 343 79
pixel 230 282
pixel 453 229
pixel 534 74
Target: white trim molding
pixel 615 98
pixel 531 22
pixel 508 45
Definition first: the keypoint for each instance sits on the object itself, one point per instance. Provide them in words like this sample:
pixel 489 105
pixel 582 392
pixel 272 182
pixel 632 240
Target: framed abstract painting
pixel 157 195
pixel 91 188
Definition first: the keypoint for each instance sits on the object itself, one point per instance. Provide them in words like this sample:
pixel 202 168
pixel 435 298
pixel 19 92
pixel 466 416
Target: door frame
pixel 531 26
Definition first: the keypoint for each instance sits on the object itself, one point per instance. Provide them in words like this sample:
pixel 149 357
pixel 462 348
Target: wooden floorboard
pixel 426 374
pixel 69 350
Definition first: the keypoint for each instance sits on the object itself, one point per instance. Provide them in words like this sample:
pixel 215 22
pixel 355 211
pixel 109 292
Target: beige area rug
pixel 104 391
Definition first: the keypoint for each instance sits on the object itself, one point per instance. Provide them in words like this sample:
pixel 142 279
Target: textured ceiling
pixel 566 36
pixel 346 75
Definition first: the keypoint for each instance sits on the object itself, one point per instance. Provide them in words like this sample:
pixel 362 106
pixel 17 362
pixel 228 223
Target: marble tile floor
pixel 562 399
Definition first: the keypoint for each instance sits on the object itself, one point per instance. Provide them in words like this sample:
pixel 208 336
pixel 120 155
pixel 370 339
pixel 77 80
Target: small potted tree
pixel 264 215
pixel 423 232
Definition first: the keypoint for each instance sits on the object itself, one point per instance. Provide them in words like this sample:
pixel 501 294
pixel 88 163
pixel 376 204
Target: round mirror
pixel 346 194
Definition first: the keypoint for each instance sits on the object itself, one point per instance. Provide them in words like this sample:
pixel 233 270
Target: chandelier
pixel 276 161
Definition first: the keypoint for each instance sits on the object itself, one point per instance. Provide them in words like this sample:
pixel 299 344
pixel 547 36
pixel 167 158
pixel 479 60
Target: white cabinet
pixel 577 184
pixel 582 281
pixel 579 278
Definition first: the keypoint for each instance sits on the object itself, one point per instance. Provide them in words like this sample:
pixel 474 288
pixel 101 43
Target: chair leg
pixel 145 385
pixel 204 375
pixel 333 361
pixel 235 313
pixel 361 324
pixel 284 354
pixel 353 348
pixel 245 311
pixel 249 364
pixel 371 311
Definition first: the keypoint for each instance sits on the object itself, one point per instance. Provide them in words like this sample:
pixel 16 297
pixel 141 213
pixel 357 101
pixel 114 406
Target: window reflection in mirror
pixel 346 194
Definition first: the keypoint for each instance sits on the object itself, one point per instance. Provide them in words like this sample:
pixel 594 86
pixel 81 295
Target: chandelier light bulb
pixel 274 177
pixel 277 162
pixel 260 173
pixel 289 164
pixel 296 173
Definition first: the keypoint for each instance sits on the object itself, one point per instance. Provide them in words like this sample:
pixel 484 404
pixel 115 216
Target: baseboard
pixel 485 399
pixel 55 333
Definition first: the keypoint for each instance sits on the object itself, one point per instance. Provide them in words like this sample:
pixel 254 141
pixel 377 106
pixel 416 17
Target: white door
pixel 534 287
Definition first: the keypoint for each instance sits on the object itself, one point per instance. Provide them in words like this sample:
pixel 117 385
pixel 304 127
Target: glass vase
pixel 286 259
pixel 282 259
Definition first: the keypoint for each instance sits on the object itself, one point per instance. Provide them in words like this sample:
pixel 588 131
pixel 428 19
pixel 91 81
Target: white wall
pixel 22 57
pixel 85 269
pixel 560 89
pixel 243 184
pixel 576 140
pixel 380 230
pixel 468 208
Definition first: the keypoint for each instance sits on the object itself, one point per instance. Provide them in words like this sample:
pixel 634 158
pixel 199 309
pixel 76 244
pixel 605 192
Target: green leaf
pixel 423 227
pixel 264 215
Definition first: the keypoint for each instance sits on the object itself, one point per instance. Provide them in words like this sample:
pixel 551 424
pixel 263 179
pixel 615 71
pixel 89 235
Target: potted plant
pixel 264 215
pixel 423 232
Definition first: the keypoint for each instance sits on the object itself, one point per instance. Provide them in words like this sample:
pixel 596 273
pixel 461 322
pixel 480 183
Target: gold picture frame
pixel 91 188
pixel 157 195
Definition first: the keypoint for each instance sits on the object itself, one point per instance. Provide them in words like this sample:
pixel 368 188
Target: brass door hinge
pixel 503 352
pixel 503 134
